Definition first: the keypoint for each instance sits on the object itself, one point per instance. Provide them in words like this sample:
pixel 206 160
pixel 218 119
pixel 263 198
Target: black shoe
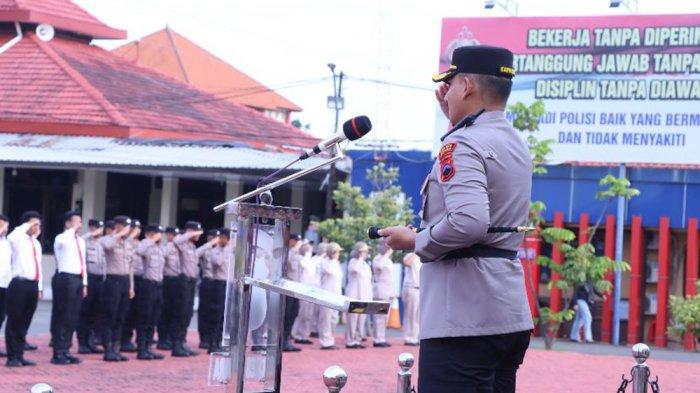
pixel 214 348
pixel 122 358
pixel 408 344
pixel 95 349
pixel 164 346
pixel 290 348
pixel 59 360
pixel 26 362
pixel 84 349
pixel 72 359
pixel 314 334
pixel 110 356
pixel 352 346
pixel 330 348
pixel 30 347
pixel 13 363
pixel 127 346
pixel 179 351
pixel 303 341
pixel 143 354
pixel 381 345
pixel 155 356
pixel 190 352
pixel 257 348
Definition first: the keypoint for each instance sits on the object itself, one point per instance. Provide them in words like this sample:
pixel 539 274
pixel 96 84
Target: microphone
pixel 354 128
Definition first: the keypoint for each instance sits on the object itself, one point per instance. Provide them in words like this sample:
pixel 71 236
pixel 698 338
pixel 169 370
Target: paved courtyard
pixel 370 371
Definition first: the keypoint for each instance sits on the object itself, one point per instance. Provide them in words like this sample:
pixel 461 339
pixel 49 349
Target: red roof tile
pixel 62 14
pixel 174 55
pixel 68 87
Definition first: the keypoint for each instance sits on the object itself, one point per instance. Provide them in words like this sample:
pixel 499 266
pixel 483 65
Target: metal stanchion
pixel 335 378
pixel 640 371
pixel 41 388
pixel 406 361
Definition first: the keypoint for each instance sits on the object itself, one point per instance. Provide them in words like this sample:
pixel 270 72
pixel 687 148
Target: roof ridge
pixel 230 65
pixel 111 111
pixel 168 33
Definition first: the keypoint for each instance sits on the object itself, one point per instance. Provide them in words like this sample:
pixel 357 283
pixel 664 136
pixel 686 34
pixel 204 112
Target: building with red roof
pixel 172 54
pixel 83 127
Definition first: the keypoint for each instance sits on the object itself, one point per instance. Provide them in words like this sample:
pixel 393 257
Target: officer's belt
pixel 480 251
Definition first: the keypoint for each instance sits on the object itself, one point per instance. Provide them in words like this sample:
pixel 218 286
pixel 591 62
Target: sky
pixel 287 45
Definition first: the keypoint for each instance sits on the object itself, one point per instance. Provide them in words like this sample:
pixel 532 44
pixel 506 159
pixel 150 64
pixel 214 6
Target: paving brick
pixel 370 371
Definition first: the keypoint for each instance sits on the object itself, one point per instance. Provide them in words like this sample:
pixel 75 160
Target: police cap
pixel 479 59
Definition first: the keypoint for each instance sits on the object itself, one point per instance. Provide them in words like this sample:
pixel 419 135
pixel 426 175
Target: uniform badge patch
pixel 447 168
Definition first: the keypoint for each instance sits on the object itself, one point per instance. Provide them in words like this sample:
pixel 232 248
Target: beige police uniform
pixel 410 296
pixel 489 184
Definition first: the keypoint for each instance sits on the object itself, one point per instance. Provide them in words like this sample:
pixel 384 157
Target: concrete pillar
pixel 93 189
pixel 234 188
pixel 77 193
pixel 154 203
pixel 297 201
pixel 2 189
pixel 168 201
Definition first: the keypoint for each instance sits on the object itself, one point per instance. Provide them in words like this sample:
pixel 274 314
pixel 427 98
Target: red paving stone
pixel 370 371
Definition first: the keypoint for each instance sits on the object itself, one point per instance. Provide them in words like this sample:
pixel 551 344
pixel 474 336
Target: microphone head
pixel 357 127
pixel 373 233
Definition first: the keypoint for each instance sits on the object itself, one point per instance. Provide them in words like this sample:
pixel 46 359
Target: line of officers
pixel 112 282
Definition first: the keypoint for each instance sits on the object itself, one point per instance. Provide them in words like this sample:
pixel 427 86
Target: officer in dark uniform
pixel 475 320
pixel 189 263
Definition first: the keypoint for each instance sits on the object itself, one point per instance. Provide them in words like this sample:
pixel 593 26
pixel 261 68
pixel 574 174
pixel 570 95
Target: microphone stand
pixel 336 155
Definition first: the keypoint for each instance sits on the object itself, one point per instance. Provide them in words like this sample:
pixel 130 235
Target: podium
pixel 253 335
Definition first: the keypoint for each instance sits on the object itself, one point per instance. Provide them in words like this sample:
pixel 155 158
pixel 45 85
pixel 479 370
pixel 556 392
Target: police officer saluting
pixel 95 266
pixel 189 263
pixel 475 320
pixel 150 297
pixel 205 314
pixel 117 288
pixel 167 324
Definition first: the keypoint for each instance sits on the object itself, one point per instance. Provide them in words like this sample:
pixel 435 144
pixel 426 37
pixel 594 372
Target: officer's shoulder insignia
pixel 447 167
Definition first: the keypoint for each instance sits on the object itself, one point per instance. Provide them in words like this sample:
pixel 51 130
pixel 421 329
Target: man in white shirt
pixel 69 286
pixel 25 288
pixel 5 267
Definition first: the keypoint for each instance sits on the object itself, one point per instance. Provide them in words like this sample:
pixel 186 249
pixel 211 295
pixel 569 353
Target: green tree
pixel 386 205
pixel 685 313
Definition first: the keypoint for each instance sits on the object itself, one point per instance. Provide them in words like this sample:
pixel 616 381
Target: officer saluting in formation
pixel 189 264
pixel 117 288
pixel 475 320
pixel 150 297
pixel 95 265
pixel 219 271
pixel 205 313
pixel 167 324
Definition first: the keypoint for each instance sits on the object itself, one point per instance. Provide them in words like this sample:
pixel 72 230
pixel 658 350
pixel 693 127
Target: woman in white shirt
pixel 383 270
pixel 301 330
pixel 359 287
pixel 331 281
pixel 410 295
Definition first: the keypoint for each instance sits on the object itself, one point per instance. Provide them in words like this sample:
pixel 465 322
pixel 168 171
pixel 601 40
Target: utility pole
pixel 337 103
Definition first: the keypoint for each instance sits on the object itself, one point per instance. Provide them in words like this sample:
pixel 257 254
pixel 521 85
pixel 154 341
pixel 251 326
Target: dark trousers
pixel 479 364
pixel 67 298
pixel 188 287
pixel 88 321
pixel 147 310
pixel 291 310
pixel 3 292
pixel 218 303
pixel 204 318
pixel 114 304
pixel 130 321
pixel 169 321
pixel 21 300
